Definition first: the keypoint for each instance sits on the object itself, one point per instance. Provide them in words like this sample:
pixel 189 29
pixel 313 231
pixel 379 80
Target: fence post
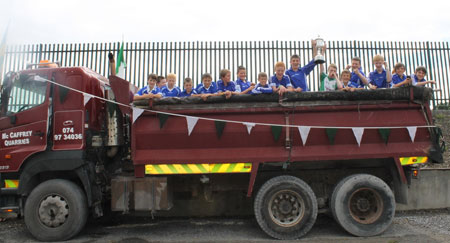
pixel 429 68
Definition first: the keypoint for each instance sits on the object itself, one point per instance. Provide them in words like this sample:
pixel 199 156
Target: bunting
pixel 86 98
pixel 249 126
pixel 304 132
pixel 384 133
pixel 358 132
pixel 191 122
pixel 412 133
pixel 137 113
pixel 331 133
pixel 276 132
pixel 162 119
pixel 220 125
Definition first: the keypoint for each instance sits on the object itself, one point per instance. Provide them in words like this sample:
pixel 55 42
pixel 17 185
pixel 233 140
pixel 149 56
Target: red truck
pixel 74 146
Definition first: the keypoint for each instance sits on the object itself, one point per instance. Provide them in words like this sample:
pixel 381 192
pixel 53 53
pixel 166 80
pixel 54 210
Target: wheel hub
pixel 365 205
pixel 286 208
pixel 53 211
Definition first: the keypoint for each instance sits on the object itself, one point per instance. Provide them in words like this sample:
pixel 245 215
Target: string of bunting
pixel 275 128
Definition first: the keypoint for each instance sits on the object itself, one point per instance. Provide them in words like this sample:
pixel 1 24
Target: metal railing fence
pixel 192 59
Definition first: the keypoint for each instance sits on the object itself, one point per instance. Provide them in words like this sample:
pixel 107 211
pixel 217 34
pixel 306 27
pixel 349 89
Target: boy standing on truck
pixel 188 90
pixel 262 87
pixel 279 82
pixel 380 78
pixel 418 78
pixel 329 82
pixel 345 81
pixel 243 86
pixel 161 82
pixel 298 75
pixel 207 87
pixel 224 85
pixel 150 91
pixel 171 90
pixel 358 78
pixel 399 78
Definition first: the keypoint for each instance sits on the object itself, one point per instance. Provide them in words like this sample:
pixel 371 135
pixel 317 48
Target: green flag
pixel 120 64
pixel 276 132
pixel 331 133
pixel 384 133
pixel 220 125
pixel 162 119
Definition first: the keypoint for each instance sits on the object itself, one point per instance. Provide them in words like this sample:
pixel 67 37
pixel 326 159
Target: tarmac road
pixel 419 226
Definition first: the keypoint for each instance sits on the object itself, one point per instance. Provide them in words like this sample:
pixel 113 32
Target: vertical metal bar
pixel 184 64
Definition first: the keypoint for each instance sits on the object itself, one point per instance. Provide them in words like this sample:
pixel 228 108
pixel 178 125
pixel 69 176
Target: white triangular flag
pixel 249 125
pixel 136 113
pixel 86 98
pixel 358 132
pixel 191 121
pixel 304 132
pixel 412 132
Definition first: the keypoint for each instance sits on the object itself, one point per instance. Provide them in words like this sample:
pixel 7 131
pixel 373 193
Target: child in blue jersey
pixel 161 82
pixel 224 85
pixel 206 88
pixel 171 90
pixel 418 78
pixel 243 86
pixel 380 78
pixel 279 82
pixel 150 91
pixel 298 75
pixel 262 87
pixel 188 88
pixel 399 78
pixel 358 77
pixel 345 81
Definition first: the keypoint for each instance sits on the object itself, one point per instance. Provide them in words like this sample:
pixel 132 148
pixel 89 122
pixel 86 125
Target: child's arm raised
pixel 388 73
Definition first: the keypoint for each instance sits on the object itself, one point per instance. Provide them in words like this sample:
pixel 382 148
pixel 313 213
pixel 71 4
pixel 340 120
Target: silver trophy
pixel 320 45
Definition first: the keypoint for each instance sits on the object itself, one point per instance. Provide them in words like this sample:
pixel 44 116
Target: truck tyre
pixel 56 210
pixel 363 205
pixel 285 208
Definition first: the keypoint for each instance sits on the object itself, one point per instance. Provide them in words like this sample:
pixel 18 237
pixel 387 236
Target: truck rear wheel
pixel 56 210
pixel 363 205
pixel 285 208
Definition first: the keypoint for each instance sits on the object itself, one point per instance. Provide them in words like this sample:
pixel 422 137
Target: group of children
pixel 379 78
pixel 292 80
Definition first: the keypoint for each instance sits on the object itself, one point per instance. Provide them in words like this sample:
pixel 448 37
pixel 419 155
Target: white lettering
pixel 22 134
pixel 17 142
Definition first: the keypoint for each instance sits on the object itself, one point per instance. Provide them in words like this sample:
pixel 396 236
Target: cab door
pixel 24 122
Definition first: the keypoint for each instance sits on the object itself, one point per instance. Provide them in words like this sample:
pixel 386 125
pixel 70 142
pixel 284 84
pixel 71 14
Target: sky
pixel 83 21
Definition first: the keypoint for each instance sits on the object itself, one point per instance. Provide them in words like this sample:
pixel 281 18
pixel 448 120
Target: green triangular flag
pixel 63 91
pixel 384 132
pixel 276 132
pixel 331 133
pixel 162 120
pixel 220 125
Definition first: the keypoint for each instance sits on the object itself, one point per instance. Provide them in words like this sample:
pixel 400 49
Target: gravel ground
pixel 419 226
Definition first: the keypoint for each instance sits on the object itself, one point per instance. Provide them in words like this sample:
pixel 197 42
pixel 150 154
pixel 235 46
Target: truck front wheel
pixel 285 207
pixel 56 210
pixel 363 205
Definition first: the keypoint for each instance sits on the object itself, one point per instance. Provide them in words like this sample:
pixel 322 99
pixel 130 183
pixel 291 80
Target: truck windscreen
pixel 26 94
